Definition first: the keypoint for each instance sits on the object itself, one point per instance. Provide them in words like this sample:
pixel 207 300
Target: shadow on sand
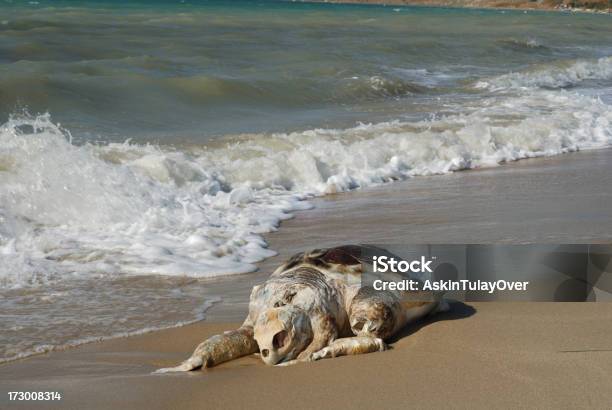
pixel 458 310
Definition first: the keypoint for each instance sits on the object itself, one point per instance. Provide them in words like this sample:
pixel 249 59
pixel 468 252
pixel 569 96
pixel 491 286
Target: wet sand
pixel 481 355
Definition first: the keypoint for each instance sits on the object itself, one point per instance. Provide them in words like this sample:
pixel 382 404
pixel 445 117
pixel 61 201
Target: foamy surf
pixel 72 211
pixel 561 74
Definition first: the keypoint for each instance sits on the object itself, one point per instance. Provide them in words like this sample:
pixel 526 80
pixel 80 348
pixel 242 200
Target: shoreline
pixel 525 361
pixel 327 210
pixel 398 212
pixel 503 5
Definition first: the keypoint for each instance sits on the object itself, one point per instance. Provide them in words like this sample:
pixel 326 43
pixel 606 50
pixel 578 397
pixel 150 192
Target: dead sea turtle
pixel 314 306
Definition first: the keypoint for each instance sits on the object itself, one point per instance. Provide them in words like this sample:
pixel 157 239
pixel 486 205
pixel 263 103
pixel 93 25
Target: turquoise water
pixel 166 70
pixel 147 146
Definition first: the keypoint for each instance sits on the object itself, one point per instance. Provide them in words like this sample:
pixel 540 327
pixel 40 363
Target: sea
pixel 146 146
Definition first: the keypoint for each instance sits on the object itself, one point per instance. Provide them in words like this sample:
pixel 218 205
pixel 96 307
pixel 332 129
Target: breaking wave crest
pixel 552 76
pixel 68 210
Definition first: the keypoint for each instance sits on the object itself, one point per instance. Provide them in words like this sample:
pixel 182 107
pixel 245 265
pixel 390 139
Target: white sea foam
pixel 123 208
pixel 140 209
pixel 552 75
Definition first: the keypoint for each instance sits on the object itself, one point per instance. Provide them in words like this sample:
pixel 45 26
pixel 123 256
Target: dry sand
pixel 478 355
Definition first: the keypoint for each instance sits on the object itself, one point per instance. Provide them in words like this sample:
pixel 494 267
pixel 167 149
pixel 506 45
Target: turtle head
pixel 282 333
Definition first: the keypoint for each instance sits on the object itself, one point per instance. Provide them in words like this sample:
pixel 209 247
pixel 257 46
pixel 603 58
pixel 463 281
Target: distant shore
pixel 585 6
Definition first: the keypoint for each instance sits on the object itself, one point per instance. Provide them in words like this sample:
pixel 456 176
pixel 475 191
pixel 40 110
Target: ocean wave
pixel 157 82
pixel 121 208
pixel 527 45
pixel 379 86
pixel 26 80
pixel 140 209
pixel 552 76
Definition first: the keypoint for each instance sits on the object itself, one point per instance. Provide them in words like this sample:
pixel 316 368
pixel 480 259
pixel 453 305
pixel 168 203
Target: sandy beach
pixel 512 355
pixel 479 354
